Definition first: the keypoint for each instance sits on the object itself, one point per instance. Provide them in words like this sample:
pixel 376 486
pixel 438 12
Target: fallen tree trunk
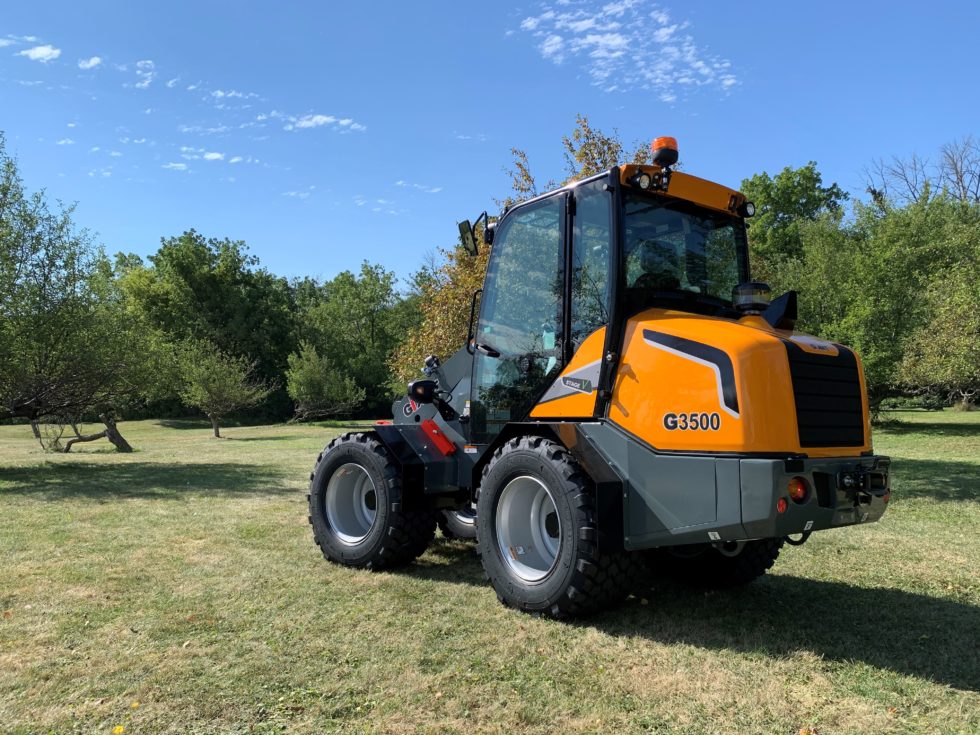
pixel 80 438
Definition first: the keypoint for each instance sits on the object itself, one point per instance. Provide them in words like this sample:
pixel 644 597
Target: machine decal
pixel 812 344
pixel 693 421
pixel 703 354
pixel 583 380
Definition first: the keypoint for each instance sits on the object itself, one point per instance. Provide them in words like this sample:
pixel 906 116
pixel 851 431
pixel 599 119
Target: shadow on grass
pixel 261 438
pixel 190 424
pixel 904 632
pixel 936 479
pixel 139 480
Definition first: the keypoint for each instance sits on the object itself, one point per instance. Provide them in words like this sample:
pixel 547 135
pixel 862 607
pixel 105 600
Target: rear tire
pixel 708 566
pixel 536 533
pixel 458 524
pixel 357 508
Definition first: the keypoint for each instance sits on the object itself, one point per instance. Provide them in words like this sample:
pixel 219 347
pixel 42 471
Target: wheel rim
pixel 466 516
pixel 528 528
pixel 351 503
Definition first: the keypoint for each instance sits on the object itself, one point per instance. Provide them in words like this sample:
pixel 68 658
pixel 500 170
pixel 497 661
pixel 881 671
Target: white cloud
pixel 146 71
pixel 171 83
pixel 115 154
pixel 90 63
pixel 94 149
pixel 44 53
pixel 215 130
pixel 420 187
pixel 236 159
pixel 551 48
pixel 296 194
pixel 65 141
pixel 71 124
pixel 233 94
pixel 316 121
pixel 195 154
pixel 4 42
pixel 175 166
pixel 624 45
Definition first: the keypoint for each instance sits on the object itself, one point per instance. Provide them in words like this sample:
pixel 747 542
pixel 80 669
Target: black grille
pixel 827 391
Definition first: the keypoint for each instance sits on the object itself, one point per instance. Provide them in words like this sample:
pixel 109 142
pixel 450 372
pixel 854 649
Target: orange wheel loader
pixel 625 390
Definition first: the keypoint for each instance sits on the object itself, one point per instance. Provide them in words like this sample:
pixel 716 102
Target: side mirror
pixel 782 312
pixel 422 391
pixel 466 237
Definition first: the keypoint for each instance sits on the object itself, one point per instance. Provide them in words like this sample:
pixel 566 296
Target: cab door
pixel 519 344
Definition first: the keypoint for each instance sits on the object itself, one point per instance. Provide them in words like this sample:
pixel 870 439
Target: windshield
pixel 674 248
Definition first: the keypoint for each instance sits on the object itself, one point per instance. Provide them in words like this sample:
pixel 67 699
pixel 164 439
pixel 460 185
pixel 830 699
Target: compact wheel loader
pixel 625 391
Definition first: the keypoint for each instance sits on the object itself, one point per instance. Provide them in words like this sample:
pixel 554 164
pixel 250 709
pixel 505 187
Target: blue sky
pixel 324 134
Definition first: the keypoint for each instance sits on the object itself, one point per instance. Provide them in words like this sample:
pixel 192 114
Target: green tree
pixel 208 289
pixel 784 204
pixel 318 387
pixel 356 324
pixel 218 383
pixel 67 346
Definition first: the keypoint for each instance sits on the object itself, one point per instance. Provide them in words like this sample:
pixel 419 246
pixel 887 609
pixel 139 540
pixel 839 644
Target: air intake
pixel 827 391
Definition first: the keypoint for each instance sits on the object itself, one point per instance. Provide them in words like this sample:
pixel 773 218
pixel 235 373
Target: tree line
pixel 201 326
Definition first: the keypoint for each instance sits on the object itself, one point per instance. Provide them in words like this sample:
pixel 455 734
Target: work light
pixel 752 297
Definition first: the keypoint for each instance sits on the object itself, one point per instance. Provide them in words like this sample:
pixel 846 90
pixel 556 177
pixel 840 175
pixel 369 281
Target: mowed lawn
pixel 177 589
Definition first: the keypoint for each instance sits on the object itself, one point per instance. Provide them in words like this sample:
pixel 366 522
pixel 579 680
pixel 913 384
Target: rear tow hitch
pixel 798 541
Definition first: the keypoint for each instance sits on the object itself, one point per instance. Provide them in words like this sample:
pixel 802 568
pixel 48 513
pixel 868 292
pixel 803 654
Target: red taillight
pixel 797 490
pixel 781 505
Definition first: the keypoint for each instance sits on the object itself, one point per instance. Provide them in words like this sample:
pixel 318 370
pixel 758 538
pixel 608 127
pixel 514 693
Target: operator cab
pixel 585 258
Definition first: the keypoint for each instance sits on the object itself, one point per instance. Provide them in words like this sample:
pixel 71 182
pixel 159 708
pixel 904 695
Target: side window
pixel 521 307
pixel 520 317
pixel 590 261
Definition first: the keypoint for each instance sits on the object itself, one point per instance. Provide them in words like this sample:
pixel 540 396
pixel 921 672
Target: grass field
pixel 177 589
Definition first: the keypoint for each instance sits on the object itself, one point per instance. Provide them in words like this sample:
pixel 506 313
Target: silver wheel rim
pixel 351 503
pixel 466 516
pixel 528 528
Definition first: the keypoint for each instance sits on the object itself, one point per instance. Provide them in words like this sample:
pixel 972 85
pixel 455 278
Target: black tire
pixel 458 524
pixel 580 580
pixel 357 535
pixel 707 566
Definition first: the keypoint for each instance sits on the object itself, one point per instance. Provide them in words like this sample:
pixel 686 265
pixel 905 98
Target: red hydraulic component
pixel 439 439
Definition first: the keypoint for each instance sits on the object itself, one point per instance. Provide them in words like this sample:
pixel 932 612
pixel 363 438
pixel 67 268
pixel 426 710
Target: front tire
pixel 536 533
pixel 357 507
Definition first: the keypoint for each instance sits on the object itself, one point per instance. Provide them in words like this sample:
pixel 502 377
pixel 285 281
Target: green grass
pixel 183 577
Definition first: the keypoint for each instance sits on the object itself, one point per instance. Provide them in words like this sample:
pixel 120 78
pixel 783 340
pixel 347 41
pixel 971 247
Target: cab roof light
pixel 664 151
